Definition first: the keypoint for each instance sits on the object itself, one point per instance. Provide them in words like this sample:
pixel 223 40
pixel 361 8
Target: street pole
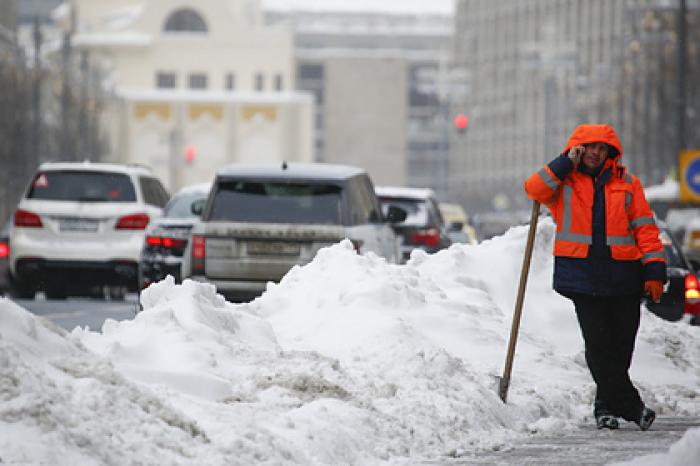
pixel 35 156
pixel 682 68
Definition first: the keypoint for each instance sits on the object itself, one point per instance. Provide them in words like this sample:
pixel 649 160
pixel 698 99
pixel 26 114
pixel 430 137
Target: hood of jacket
pixel 586 134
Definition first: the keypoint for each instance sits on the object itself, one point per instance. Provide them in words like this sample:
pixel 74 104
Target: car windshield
pixel 82 186
pixel 180 206
pixel 416 210
pixel 277 202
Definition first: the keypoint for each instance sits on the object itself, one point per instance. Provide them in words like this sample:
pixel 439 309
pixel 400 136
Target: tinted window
pixel 82 186
pixel 416 210
pixel 180 205
pixel 153 192
pixel 276 202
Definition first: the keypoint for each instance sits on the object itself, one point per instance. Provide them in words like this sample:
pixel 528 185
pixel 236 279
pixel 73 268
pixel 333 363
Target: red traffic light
pixel 461 121
pixel 190 153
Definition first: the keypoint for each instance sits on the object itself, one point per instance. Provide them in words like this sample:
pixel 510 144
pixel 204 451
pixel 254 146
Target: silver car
pixel 261 220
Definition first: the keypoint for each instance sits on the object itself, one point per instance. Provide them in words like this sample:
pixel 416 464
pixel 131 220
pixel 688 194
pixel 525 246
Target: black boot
pixel 646 418
pixel 606 421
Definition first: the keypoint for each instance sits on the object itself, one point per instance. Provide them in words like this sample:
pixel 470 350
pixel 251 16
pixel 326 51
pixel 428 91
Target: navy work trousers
pixel 609 326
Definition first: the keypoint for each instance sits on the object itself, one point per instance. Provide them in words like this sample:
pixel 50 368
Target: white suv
pixel 80 227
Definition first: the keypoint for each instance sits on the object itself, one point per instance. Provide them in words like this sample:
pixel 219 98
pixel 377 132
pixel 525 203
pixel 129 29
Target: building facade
pixel 195 85
pixel 538 68
pixel 380 101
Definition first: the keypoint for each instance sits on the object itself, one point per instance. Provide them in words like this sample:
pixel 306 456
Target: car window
pixel 276 202
pixel 363 206
pixel 82 186
pixel 180 205
pixel 375 209
pixel 673 255
pixel 435 214
pixel 416 210
pixel 153 192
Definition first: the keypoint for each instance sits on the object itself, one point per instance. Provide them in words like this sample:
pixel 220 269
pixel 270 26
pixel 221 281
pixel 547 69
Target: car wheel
pixel 117 293
pixel 20 290
pixel 55 291
pixel 695 320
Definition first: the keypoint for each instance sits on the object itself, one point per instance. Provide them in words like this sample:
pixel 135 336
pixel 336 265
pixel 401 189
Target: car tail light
pixel 154 241
pixel 429 237
pixel 692 295
pixel 24 218
pixel 199 252
pixel 4 249
pixel 692 288
pixel 132 222
pixel 173 243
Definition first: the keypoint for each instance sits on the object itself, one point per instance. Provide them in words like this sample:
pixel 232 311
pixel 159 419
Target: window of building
pixel 185 20
pixel 165 80
pixel 278 82
pixel 259 82
pixel 230 82
pixel 310 71
pixel 198 81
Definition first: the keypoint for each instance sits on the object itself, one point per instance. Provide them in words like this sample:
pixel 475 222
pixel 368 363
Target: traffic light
pixel 190 153
pixel 461 122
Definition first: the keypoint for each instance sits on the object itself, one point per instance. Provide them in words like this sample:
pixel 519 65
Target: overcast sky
pixel 393 6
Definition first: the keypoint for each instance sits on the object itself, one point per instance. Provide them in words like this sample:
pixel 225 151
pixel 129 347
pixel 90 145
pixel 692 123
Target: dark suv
pixel 682 294
pixel 424 227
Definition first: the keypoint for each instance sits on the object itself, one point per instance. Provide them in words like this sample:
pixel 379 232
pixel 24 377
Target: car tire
pixel 21 290
pixel 56 291
pixel 117 293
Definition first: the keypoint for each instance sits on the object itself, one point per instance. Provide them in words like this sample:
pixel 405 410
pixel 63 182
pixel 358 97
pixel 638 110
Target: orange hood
pixel 585 134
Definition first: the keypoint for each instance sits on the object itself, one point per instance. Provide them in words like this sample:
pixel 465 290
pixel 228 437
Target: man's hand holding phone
pixel 575 154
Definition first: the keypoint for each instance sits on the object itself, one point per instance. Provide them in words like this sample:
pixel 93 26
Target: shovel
pixel 504 381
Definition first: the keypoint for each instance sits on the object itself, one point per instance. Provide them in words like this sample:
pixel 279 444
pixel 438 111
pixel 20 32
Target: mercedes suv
pixel 79 229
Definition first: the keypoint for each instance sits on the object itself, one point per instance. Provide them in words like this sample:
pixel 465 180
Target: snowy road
pixel 73 313
pixel 587 446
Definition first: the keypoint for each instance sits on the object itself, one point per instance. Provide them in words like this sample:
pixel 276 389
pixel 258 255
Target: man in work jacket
pixel 607 254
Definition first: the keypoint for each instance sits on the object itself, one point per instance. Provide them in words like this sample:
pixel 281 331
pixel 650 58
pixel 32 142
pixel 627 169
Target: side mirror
pixel 395 214
pixel 197 207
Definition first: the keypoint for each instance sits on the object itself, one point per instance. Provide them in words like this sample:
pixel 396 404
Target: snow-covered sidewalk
pixel 349 360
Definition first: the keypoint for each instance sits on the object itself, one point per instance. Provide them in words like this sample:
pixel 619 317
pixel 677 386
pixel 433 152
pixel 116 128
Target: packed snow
pixel 348 360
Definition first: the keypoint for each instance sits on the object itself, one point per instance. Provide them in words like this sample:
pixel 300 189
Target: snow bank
pixel 348 360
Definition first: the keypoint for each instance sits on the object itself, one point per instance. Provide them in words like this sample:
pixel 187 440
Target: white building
pixel 196 84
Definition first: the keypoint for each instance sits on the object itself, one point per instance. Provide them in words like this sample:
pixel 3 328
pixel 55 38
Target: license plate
pixel 77 224
pixel 273 248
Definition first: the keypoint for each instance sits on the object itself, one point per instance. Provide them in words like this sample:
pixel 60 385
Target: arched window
pixel 185 20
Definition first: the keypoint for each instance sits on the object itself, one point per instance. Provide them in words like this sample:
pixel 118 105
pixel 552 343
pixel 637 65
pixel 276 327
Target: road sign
pixel 690 175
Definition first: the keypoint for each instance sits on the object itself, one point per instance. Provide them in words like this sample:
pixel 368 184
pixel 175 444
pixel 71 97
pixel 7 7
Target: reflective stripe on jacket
pixel 631 231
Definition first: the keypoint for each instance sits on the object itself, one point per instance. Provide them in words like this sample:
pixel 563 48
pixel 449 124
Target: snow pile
pixel 60 404
pixel 349 360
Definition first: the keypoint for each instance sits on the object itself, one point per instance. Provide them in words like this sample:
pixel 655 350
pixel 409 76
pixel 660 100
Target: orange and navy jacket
pixel 630 232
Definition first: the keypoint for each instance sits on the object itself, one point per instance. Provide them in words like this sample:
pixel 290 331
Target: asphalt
pixel 584 446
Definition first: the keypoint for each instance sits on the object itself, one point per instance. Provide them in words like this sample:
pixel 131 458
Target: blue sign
pixel 689 164
pixel 692 176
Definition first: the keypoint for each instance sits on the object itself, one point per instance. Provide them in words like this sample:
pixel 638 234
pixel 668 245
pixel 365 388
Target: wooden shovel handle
pixel 505 380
